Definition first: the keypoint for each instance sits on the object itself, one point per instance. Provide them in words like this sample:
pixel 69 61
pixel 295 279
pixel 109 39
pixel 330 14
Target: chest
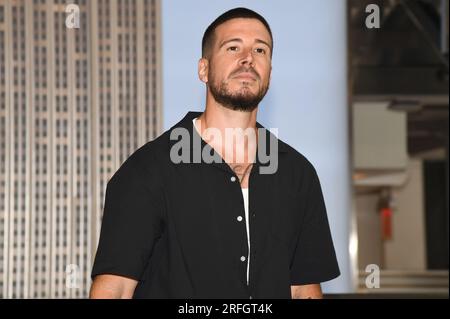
pixel 206 206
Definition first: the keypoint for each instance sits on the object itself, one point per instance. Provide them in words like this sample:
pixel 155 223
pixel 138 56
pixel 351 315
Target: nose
pixel 247 58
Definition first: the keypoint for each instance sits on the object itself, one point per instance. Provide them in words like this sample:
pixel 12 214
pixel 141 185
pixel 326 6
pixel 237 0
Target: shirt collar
pixel 186 123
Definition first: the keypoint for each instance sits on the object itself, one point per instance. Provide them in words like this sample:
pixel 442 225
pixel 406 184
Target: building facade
pixel 79 92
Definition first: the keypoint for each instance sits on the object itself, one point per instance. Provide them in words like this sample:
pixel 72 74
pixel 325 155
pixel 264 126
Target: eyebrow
pixel 240 40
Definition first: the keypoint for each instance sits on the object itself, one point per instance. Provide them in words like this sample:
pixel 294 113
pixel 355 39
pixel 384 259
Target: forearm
pixel 112 287
pixel 306 292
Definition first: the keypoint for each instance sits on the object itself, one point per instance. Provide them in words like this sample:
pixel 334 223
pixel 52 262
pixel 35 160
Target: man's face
pixel 239 65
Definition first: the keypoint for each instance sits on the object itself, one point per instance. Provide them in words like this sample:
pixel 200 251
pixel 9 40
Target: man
pixel 221 228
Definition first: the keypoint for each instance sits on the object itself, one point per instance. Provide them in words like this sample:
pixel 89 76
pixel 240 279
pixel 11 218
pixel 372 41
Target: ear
pixel 203 66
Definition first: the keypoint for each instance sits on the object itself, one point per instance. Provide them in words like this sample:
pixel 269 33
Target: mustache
pixel 245 70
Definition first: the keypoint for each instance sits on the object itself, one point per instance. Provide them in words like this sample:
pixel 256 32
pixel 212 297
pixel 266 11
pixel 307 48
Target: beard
pixel 243 100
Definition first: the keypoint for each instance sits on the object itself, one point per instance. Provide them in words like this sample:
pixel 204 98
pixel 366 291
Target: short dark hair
pixel 208 36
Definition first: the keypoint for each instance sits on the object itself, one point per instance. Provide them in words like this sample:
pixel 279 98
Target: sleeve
pixel 314 260
pixel 131 223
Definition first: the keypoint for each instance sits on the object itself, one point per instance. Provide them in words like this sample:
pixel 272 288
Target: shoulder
pixel 294 160
pixel 144 164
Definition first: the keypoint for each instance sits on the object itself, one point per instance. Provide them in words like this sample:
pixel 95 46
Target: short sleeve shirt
pixel 179 227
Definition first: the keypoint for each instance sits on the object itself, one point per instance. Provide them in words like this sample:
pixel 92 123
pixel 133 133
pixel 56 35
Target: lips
pixel 245 75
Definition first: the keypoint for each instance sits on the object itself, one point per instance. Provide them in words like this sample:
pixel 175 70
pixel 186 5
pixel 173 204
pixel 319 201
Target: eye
pixel 260 50
pixel 234 48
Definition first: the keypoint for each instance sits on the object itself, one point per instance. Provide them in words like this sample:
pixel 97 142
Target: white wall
pixel 307 100
pixel 407 249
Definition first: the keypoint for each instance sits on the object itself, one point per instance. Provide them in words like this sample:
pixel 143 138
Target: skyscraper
pixel 75 101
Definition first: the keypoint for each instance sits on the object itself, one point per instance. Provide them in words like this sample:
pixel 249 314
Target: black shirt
pixel 174 226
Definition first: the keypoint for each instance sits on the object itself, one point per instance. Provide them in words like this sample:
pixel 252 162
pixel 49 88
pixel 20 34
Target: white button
pixel 242 258
pixel 239 218
pixel 233 179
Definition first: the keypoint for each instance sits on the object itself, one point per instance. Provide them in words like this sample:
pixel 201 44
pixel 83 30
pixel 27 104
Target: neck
pixel 241 149
pixel 218 116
